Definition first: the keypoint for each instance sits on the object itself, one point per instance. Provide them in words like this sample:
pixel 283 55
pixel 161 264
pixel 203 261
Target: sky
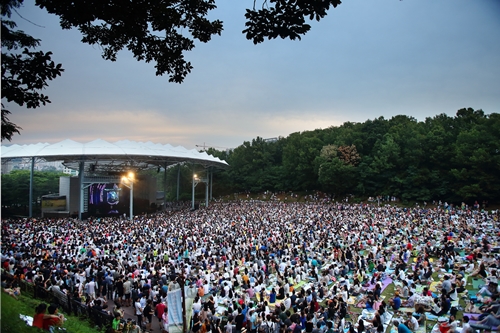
pixel 364 60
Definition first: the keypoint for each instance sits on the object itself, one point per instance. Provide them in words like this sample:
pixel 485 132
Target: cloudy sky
pixel 367 58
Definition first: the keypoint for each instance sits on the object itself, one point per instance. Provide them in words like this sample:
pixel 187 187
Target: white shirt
pixel 414 323
pixel 344 296
pixel 197 306
pixel 288 303
pixel 138 308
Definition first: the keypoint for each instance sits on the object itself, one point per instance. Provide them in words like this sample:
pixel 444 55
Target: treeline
pixel 16 187
pixel 445 158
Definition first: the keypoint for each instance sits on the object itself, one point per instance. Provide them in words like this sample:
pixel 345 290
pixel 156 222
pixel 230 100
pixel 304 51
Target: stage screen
pixel 53 203
pixel 108 199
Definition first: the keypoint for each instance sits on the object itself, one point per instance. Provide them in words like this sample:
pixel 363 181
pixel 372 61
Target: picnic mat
pixel 387 281
pixel 430 316
pixel 470 315
pixel 422 328
pixel 478 283
pixel 277 303
pixel 299 285
pixel 358 303
pixel 433 286
pixel 474 322
pixel 472 292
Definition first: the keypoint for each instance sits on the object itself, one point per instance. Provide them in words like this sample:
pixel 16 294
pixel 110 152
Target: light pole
pixel 196 180
pixel 130 179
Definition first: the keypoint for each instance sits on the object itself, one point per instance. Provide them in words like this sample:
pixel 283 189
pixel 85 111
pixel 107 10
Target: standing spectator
pixel 159 310
pixel 138 310
pixel 148 315
pixel 238 321
pixel 127 291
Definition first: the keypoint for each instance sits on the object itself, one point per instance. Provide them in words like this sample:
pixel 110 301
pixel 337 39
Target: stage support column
pixel 178 180
pixel 131 200
pixel 165 187
pixel 211 181
pixel 193 187
pixel 206 193
pixel 32 170
pixel 81 175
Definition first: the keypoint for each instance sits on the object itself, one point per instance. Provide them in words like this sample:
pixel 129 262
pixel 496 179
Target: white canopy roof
pixel 103 156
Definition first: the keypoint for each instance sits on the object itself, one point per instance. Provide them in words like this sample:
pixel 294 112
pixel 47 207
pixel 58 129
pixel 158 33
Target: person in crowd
pixel 402 328
pixel 56 319
pixel 41 316
pixel 233 247
pixel 116 325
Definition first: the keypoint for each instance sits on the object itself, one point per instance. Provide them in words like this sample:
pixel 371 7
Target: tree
pixel 337 170
pixel 255 166
pixel 284 18
pixel 337 176
pixel 476 156
pixel 16 184
pixel 24 73
pixel 443 158
pixel 299 153
pixel 386 154
pixel 152 30
pixel 156 30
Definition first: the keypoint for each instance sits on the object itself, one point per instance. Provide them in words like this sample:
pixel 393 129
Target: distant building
pixel 25 164
pixel 69 171
pixel 7 167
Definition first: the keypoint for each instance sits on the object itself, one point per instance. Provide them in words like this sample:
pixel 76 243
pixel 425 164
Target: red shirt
pixel 51 322
pixel 160 308
pixel 38 320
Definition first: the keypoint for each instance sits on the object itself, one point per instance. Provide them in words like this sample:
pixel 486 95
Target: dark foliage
pixel 442 158
pixel 154 31
pixel 284 18
pixel 24 72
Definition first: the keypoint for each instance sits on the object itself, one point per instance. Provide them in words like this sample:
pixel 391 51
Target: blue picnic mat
pixel 477 283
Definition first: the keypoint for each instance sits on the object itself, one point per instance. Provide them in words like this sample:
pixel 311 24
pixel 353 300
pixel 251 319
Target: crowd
pixel 261 266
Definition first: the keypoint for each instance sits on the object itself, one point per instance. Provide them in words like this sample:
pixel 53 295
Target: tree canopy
pixel 25 72
pixel 16 185
pixel 442 158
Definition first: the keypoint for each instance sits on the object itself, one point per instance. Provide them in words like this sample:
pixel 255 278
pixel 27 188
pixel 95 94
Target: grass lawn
pixel 11 323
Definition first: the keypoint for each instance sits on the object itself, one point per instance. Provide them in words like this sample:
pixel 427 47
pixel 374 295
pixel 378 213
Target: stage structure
pixel 103 162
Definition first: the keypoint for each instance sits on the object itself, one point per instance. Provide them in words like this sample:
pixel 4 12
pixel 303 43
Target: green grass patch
pixel 12 308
